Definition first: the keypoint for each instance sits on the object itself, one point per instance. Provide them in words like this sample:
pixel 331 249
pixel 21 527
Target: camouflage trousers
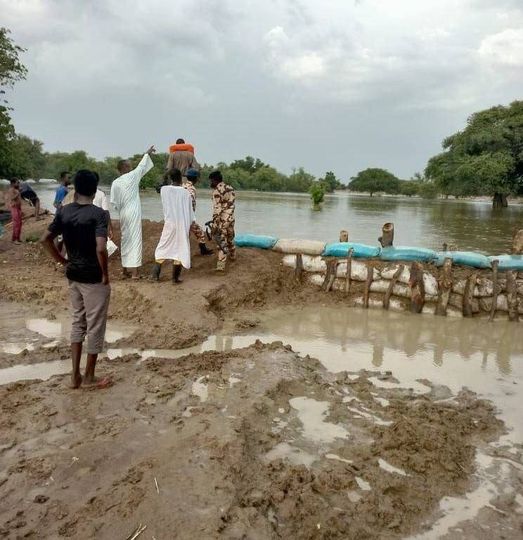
pixel 198 233
pixel 226 231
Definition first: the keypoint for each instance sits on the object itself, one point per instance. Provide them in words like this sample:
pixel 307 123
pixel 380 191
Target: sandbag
pixel 185 147
pixel 508 262
pixel 404 253
pixel 463 258
pixel 255 241
pixel 307 247
pixel 359 251
pixel 310 263
pixel 359 271
pixel 431 284
pixel 389 271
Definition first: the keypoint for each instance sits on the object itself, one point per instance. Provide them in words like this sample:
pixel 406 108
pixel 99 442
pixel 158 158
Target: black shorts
pixel 30 196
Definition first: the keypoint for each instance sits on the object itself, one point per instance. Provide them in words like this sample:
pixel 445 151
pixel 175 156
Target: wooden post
pixel 370 277
pixel 387 235
pixel 298 270
pixel 468 295
pixel 344 236
pixel 512 297
pixel 397 274
pixel 444 287
pixel 349 270
pixel 330 276
pixel 517 242
pixel 417 288
pixel 494 289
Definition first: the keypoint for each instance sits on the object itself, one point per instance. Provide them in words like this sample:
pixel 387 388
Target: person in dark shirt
pixel 84 230
pixel 28 194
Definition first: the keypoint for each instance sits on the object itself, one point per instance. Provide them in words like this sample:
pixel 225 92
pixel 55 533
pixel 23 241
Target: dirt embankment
pixel 255 443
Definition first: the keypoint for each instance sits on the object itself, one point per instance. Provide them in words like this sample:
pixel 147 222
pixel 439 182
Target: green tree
pixel 26 157
pixel 299 181
pixel 248 164
pixel 374 180
pixel 317 191
pixel 330 182
pixel 409 188
pixel 485 158
pixel 11 71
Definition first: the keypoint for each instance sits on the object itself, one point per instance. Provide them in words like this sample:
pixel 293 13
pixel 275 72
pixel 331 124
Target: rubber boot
pixel 177 270
pixel 155 274
pixel 204 250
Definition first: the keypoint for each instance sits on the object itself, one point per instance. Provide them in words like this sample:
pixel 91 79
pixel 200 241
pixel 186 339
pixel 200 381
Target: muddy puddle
pixel 417 355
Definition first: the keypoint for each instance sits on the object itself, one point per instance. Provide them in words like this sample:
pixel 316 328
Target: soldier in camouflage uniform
pixel 190 178
pixel 223 204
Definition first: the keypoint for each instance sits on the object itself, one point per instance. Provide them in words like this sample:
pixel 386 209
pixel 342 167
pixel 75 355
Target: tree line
pixel 485 158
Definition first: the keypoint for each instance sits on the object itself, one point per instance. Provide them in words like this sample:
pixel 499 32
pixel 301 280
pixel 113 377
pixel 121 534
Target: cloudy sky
pixel 326 84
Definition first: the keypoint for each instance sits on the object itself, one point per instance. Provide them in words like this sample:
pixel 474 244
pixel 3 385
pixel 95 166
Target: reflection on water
pixel 468 225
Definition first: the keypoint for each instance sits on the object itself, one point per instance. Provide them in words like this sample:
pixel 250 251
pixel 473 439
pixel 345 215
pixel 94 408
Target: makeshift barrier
pixel 406 278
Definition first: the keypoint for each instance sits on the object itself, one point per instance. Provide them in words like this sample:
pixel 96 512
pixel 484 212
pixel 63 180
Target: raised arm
pixel 146 164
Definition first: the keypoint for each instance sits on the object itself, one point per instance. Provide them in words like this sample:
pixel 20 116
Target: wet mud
pixel 254 442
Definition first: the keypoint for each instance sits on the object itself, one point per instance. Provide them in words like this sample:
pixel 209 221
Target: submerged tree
pixel 486 158
pixel 317 192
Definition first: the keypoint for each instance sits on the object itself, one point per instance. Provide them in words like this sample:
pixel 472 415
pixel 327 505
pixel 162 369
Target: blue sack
pixel 359 251
pixel 404 253
pixel 508 262
pixel 255 241
pixel 464 258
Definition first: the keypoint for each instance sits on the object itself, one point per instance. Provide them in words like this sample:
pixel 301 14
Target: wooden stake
pixel 444 287
pixel 468 295
pixel 344 236
pixel 370 278
pixel 298 270
pixel 349 270
pixel 330 276
pixel 494 289
pixel 387 235
pixel 397 274
pixel 417 288
pixel 512 297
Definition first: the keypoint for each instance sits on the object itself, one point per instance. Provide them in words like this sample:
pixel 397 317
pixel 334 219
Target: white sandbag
pixel 519 286
pixel 289 261
pixel 402 290
pixel 396 304
pixel 380 286
pixel 316 279
pixel 429 309
pixel 431 285
pixel 455 313
pixel 456 300
pixel 389 271
pixel 307 247
pixel 310 263
pixel 484 288
pixel 501 304
pixel 373 302
pixel 459 286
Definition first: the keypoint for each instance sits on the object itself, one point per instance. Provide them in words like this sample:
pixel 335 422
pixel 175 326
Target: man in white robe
pixel 178 213
pixel 125 197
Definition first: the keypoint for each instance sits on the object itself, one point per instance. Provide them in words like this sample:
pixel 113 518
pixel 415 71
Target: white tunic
pixel 125 196
pixel 178 216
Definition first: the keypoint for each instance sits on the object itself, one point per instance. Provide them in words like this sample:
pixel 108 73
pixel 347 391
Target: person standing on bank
pixel 223 206
pixel 191 177
pixel 181 157
pixel 178 217
pixel 62 190
pixel 125 197
pixel 13 201
pixel 84 229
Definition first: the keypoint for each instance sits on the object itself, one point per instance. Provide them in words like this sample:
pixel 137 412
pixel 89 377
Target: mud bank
pixel 255 443
pixel 258 442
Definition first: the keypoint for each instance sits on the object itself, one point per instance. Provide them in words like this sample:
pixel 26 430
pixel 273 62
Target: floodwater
pixel 469 225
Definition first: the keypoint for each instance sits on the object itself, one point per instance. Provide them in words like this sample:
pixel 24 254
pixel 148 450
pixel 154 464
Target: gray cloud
pixel 341 85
